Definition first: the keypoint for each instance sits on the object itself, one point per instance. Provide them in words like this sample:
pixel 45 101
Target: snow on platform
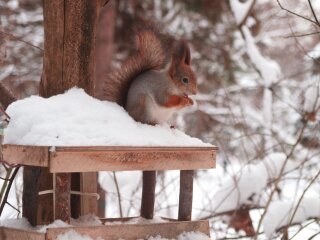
pixel 77 119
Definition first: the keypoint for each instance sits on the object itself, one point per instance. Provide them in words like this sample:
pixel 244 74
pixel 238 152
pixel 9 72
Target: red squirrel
pixel 150 89
pixel 153 83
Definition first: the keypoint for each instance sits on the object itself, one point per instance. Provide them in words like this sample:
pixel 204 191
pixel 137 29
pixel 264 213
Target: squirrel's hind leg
pixel 138 111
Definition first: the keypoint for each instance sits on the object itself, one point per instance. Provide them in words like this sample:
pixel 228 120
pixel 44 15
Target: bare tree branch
pixel 296 14
pixel 118 193
pixel 276 184
pixel 6 97
pixel 20 40
pixel 313 13
pixel 302 195
pixel 7 190
pixel 302 35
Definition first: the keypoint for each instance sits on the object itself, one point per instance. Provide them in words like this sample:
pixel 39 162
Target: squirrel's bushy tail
pixel 6 96
pixel 149 55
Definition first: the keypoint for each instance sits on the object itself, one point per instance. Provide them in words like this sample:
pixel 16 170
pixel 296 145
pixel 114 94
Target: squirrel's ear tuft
pixel 183 52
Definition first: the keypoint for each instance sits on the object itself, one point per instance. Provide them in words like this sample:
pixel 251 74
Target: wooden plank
pixel 148 194
pixel 26 155
pixel 134 231
pixel 130 158
pixel 112 158
pixel 134 148
pixel 62 187
pixel 38 209
pixel 19 234
pixel 185 196
pixel 30 176
pixel 75 199
pixel 89 184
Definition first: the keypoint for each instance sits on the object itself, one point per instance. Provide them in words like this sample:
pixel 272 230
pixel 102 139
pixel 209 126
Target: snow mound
pixel 77 119
pixel 91 220
pixel 247 184
pixel 21 223
pixel 184 236
pixel 240 9
pixel 73 235
pixel 312 97
pixel 281 213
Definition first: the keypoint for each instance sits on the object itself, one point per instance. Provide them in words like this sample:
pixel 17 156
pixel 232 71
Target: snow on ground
pixel 314 53
pixel 268 68
pixel 22 223
pixel 312 97
pixel 280 213
pixel 73 235
pixel 240 9
pixel 248 183
pixel 91 220
pixel 76 119
pixel 184 236
pixel 140 220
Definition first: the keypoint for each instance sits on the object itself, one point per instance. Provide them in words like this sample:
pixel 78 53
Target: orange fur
pixel 178 101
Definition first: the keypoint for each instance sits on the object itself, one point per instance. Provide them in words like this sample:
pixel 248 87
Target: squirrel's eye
pixel 185 80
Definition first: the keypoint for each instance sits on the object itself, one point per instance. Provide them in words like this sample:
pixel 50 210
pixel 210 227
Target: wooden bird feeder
pixel 61 161
pixel 70 29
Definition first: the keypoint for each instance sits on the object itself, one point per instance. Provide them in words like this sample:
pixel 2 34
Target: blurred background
pixel 257 64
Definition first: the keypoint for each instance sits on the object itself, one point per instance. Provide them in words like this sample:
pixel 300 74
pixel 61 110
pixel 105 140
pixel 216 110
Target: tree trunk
pixel 104 46
pixel 69 41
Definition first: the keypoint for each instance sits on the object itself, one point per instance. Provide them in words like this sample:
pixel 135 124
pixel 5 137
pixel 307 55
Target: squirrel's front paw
pixel 187 101
pixel 178 101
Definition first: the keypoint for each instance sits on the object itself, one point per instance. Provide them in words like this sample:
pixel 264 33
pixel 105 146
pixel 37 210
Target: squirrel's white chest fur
pixel 157 113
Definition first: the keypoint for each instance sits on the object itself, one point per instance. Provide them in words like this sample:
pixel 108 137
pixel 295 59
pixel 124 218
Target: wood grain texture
pixel 91 159
pixel 18 234
pixel 69 44
pixel 62 188
pixel 53 20
pixel 31 188
pixel 26 155
pixel 6 96
pixel 79 44
pixel 44 208
pixel 104 45
pixel 89 184
pixel 185 195
pixel 148 194
pixel 134 231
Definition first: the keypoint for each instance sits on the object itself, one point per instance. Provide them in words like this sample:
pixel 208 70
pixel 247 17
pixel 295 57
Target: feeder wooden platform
pixel 93 159
pixel 112 231
pixel 62 161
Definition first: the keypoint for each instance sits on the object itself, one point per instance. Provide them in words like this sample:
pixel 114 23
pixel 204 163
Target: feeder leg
pixel 62 188
pixel 30 196
pixel 148 194
pixel 185 196
pixel 89 204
